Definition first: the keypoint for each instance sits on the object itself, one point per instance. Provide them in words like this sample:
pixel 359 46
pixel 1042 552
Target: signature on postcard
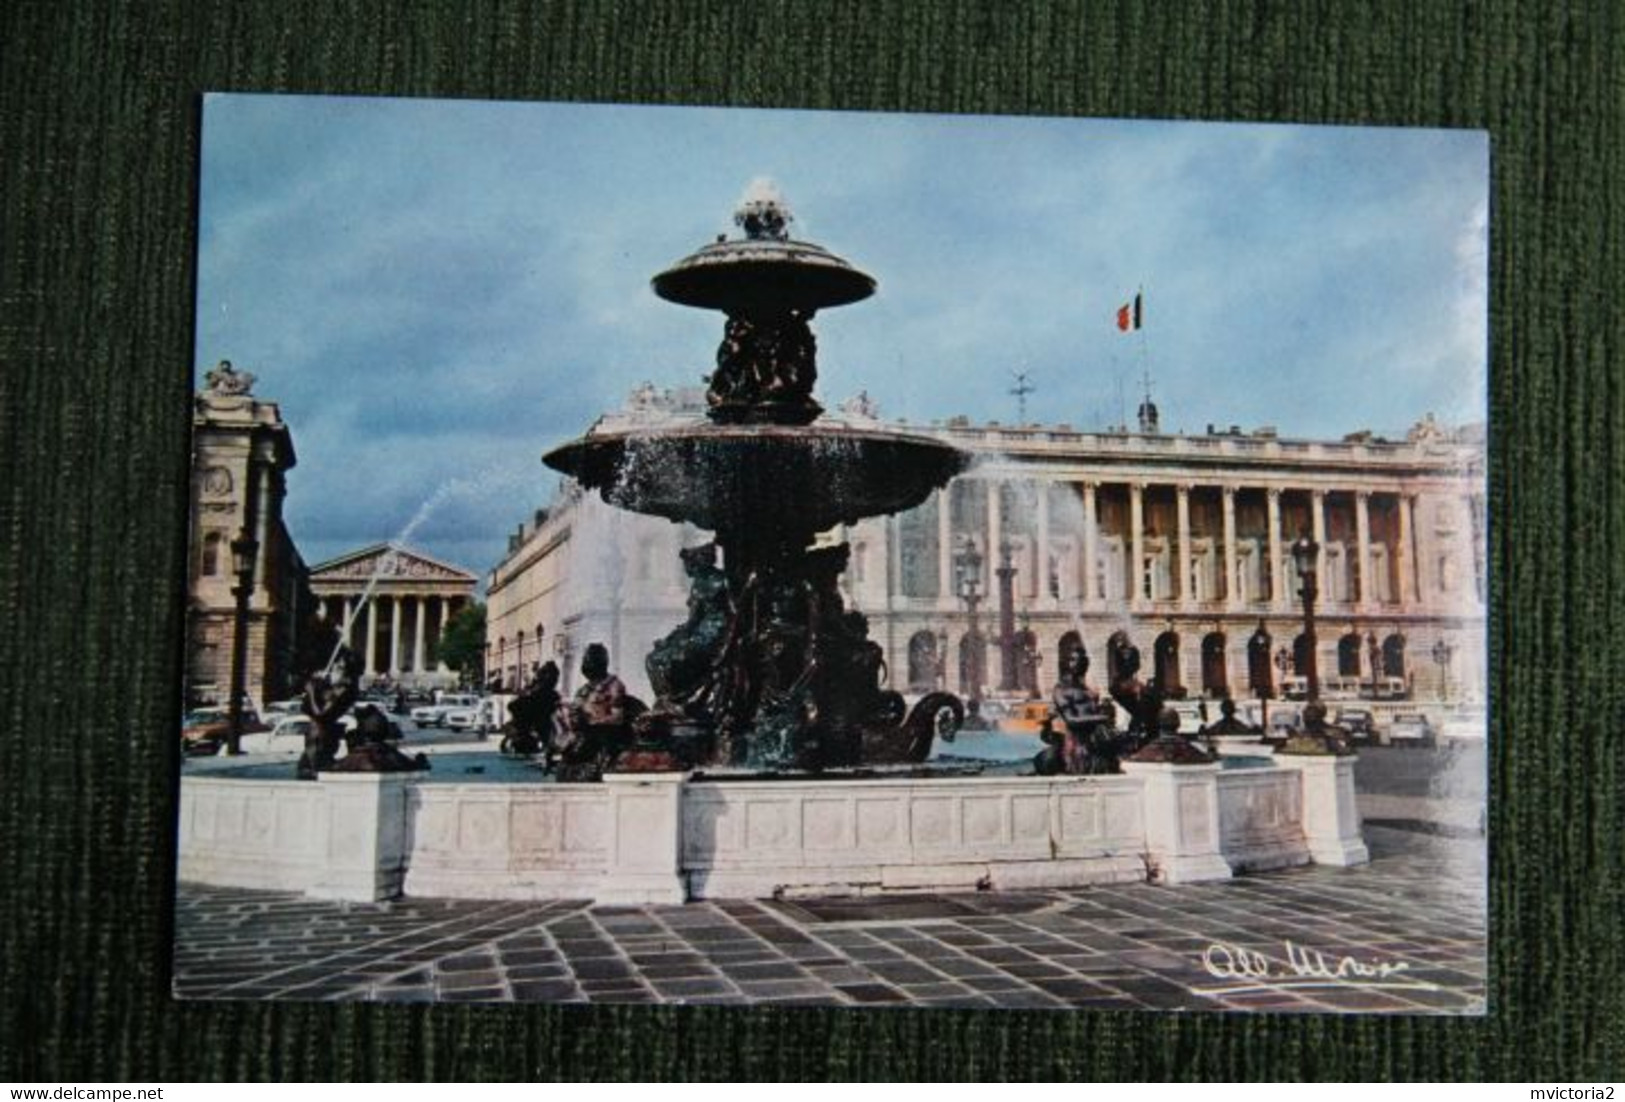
pixel 1253 970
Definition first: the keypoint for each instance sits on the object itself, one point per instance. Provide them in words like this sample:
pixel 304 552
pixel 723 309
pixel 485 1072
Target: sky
pixel 436 292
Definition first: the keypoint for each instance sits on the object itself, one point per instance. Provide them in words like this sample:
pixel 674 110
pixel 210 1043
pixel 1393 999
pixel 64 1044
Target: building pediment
pixel 389 564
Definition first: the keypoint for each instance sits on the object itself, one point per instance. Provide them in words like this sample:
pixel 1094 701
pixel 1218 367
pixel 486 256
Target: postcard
pixel 691 555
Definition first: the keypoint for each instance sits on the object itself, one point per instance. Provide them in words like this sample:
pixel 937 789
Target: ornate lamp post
pixel 1306 554
pixel 1443 652
pixel 244 549
pixel 968 580
pixel 1009 676
pixel 1312 736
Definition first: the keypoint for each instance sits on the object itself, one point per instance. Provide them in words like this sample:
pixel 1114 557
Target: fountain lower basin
pixel 667 838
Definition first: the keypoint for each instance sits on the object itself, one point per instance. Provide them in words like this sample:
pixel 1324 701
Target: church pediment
pixel 389 564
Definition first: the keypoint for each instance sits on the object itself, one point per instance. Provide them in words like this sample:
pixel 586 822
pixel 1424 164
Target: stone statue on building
pixel 225 381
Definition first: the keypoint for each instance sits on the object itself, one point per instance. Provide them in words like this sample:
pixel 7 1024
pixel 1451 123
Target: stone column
pixel 1278 580
pixel 1041 591
pixel 1405 554
pixel 945 547
pixel 1091 591
pixel 995 535
pixel 420 609
pixel 1362 528
pixel 372 637
pixel 442 606
pixel 394 637
pixel 1232 586
pixel 1182 559
pixel 1136 524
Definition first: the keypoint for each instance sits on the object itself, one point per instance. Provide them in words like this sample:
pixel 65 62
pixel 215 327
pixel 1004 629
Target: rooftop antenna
pixel 1022 388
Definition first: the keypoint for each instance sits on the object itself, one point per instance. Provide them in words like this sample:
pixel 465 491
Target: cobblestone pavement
pixel 1420 904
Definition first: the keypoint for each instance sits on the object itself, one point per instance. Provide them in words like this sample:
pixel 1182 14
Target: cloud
pixel 433 288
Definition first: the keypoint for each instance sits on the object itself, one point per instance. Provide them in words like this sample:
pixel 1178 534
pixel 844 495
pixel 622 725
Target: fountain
pixel 760 769
pixel 771 672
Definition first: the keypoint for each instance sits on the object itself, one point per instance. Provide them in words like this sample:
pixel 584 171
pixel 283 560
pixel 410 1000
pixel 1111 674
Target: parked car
pixel 1284 719
pixel 215 722
pixel 1192 715
pixel 434 715
pixel 1022 717
pixel 293 706
pixel 466 719
pixel 1360 724
pixel 1463 728
pixel 1411 729
pixel 287 733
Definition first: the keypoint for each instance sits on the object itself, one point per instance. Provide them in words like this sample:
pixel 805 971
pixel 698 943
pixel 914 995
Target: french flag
pixel 1128 315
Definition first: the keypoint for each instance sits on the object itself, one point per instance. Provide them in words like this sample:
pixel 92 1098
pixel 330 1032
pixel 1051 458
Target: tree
pixel 462 643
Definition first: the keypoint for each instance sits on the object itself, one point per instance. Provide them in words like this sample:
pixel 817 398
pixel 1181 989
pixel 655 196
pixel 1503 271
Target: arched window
pixel 1215 678
pixel 1300 655
pixel 1070 643
pixel 972 662
pixel 922 661
pixel 1393 656
pixel 1260 672
pixel 1348 655
pixel 1166 651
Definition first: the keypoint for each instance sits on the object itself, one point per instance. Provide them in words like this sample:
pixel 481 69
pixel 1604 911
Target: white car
pixel 465 719
pixel 433 715
pixel 287 733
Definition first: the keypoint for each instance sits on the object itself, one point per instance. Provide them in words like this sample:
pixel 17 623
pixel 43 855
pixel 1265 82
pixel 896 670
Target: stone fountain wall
pixel 662 838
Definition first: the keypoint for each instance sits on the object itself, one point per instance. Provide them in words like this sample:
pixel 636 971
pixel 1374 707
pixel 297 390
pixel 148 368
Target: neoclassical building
pixel 397 627
pixel 241 453
pixel 1183 541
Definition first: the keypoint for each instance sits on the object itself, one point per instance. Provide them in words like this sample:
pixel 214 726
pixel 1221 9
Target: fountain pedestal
pixel 644 854
pixel 1181 820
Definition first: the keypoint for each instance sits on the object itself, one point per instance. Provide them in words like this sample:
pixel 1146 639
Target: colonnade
pixel 345 610
pixel 1277 582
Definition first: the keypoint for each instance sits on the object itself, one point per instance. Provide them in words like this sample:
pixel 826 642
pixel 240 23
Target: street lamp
pixel 1443 652
pixel 1306 554
pixel 1312 736
pixel 244 549
pixel 968 581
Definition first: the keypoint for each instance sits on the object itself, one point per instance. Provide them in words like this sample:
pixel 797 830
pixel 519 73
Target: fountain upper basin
pixel 803 479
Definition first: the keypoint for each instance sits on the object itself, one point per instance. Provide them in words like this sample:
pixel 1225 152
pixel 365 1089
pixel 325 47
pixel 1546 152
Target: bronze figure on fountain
pixel 1088 741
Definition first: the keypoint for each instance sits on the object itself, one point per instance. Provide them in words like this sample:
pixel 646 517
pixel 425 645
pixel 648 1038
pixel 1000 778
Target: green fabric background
pixel 99 115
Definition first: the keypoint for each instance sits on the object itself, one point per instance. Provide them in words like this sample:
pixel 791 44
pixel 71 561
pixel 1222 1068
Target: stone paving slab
pixel 1305 940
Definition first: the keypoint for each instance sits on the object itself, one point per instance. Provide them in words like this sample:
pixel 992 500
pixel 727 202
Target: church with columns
pixel 390 604
pixel 1183 541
